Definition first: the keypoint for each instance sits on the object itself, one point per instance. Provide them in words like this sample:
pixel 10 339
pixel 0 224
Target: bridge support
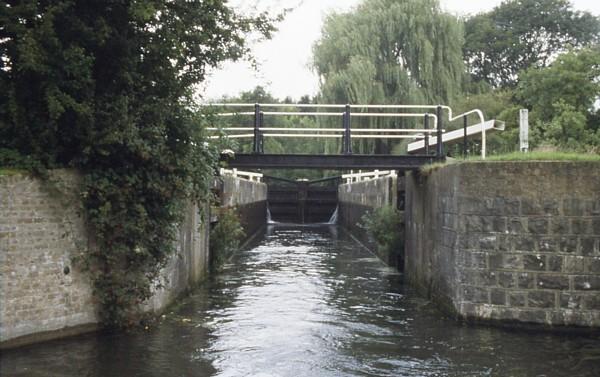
pixel 347 141
pixel 426 140
pixel 258 121
pixel 439 146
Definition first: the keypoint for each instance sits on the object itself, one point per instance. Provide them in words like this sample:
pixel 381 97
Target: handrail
pixel 250 176
pixel 314 129
pixel 360 176
pixel 347 131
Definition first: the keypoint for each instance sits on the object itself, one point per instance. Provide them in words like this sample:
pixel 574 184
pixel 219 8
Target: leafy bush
pixel 225 237
pixel 384 225
pixel 109 88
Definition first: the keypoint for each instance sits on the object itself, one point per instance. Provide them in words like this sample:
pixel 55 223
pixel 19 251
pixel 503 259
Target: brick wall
pixel 512 241
pixel 43 294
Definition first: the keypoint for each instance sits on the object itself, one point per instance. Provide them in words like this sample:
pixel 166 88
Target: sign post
pixel 524 130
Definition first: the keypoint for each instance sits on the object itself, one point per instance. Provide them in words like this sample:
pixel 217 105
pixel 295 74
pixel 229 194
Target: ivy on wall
pixel 107 88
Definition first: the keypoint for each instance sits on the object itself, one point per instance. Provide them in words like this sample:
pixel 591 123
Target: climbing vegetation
pixel 107 87
pixel 385 226
pixel 225 236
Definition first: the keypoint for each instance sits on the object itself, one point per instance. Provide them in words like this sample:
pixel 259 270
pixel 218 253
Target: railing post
pixel 465 145
pixel 261 138
pixel 347 134
pixel 439 145
pixel 426 126
pixel 256 143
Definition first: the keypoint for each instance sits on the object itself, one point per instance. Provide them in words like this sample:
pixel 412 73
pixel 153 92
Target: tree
pixel 519 34
pixel 563 97
pixel 390 52
pixel 106 87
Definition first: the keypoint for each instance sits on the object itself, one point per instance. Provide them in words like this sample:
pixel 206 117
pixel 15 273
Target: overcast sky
pixel 285 60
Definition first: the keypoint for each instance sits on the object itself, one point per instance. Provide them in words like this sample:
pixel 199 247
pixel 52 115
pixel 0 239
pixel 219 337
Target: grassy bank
pixel 517 156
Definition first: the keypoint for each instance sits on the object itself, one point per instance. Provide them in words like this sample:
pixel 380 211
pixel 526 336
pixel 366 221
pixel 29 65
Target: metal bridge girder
pixel 336 162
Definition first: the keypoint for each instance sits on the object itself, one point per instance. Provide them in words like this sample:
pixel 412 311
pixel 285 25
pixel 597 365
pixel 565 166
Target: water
pixel 308 302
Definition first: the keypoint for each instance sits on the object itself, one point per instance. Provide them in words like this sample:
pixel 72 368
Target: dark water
pixel 308 302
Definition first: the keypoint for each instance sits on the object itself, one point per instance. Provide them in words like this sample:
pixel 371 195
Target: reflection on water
pixel 306 301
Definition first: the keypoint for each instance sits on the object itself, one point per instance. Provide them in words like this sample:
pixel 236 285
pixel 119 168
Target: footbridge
pixel 426 126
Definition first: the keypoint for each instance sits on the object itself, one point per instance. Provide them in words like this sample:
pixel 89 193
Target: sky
pixel 285 60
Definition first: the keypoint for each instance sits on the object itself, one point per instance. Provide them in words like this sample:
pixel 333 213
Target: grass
pixel 544 156
pixel 5 171
pixel 517 156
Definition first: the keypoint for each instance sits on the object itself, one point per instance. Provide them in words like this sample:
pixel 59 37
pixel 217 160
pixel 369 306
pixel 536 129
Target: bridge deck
pixel 302 161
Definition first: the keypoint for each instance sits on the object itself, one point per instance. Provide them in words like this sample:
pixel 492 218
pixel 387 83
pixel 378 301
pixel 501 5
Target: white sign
pixel 524 130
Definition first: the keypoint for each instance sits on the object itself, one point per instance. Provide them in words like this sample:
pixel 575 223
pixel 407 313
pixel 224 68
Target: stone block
pixel 504 243
pixel 570 300
pixel 534 262
pixel 577 207
pixel 535 207
pixel 506 206
pixel 516 226
pixel 592 265
pixel 474 260
pixel 590 246
pixel 596 226
pixel 537 225
pixel 476 295
pixel 524 244
pixel 532 316
pixel 531 207
pixel 498 297
pixel 559 225
pixel 472 205
pixel 554 263
pixel 517 299
pixel 484 224
pixel 468 241
pixel 573 264
pixel 499 224
pixel 581 226
pixel 586 283
pixel 541 299
pixel 480 278
pixel 548 245
pixel 568 244
pixel 548 281
pixel 488 242
pixel 526 280
pixel 507 279
pixel 592 302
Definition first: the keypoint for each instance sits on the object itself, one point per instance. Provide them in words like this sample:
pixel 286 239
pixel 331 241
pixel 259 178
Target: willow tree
pixel 390 52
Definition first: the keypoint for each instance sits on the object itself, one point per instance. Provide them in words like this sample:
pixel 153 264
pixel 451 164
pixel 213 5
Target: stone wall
pixel 508 241
pixel 250 200
pixel 43 295
pixel 358 198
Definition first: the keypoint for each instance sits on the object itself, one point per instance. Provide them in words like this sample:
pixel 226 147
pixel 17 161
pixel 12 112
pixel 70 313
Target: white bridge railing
pixel 430 114
pixel 250 176
pixel 367 176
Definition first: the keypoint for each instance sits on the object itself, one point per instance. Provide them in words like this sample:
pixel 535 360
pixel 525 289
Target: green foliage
pixel 389 52
pixel 544 156
pixel 279 145
pixel 385 226
pixel 495 104
pixel 16 161
pixel 561 98
pixel 519 34
pixel 107 87
pixel 225 237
